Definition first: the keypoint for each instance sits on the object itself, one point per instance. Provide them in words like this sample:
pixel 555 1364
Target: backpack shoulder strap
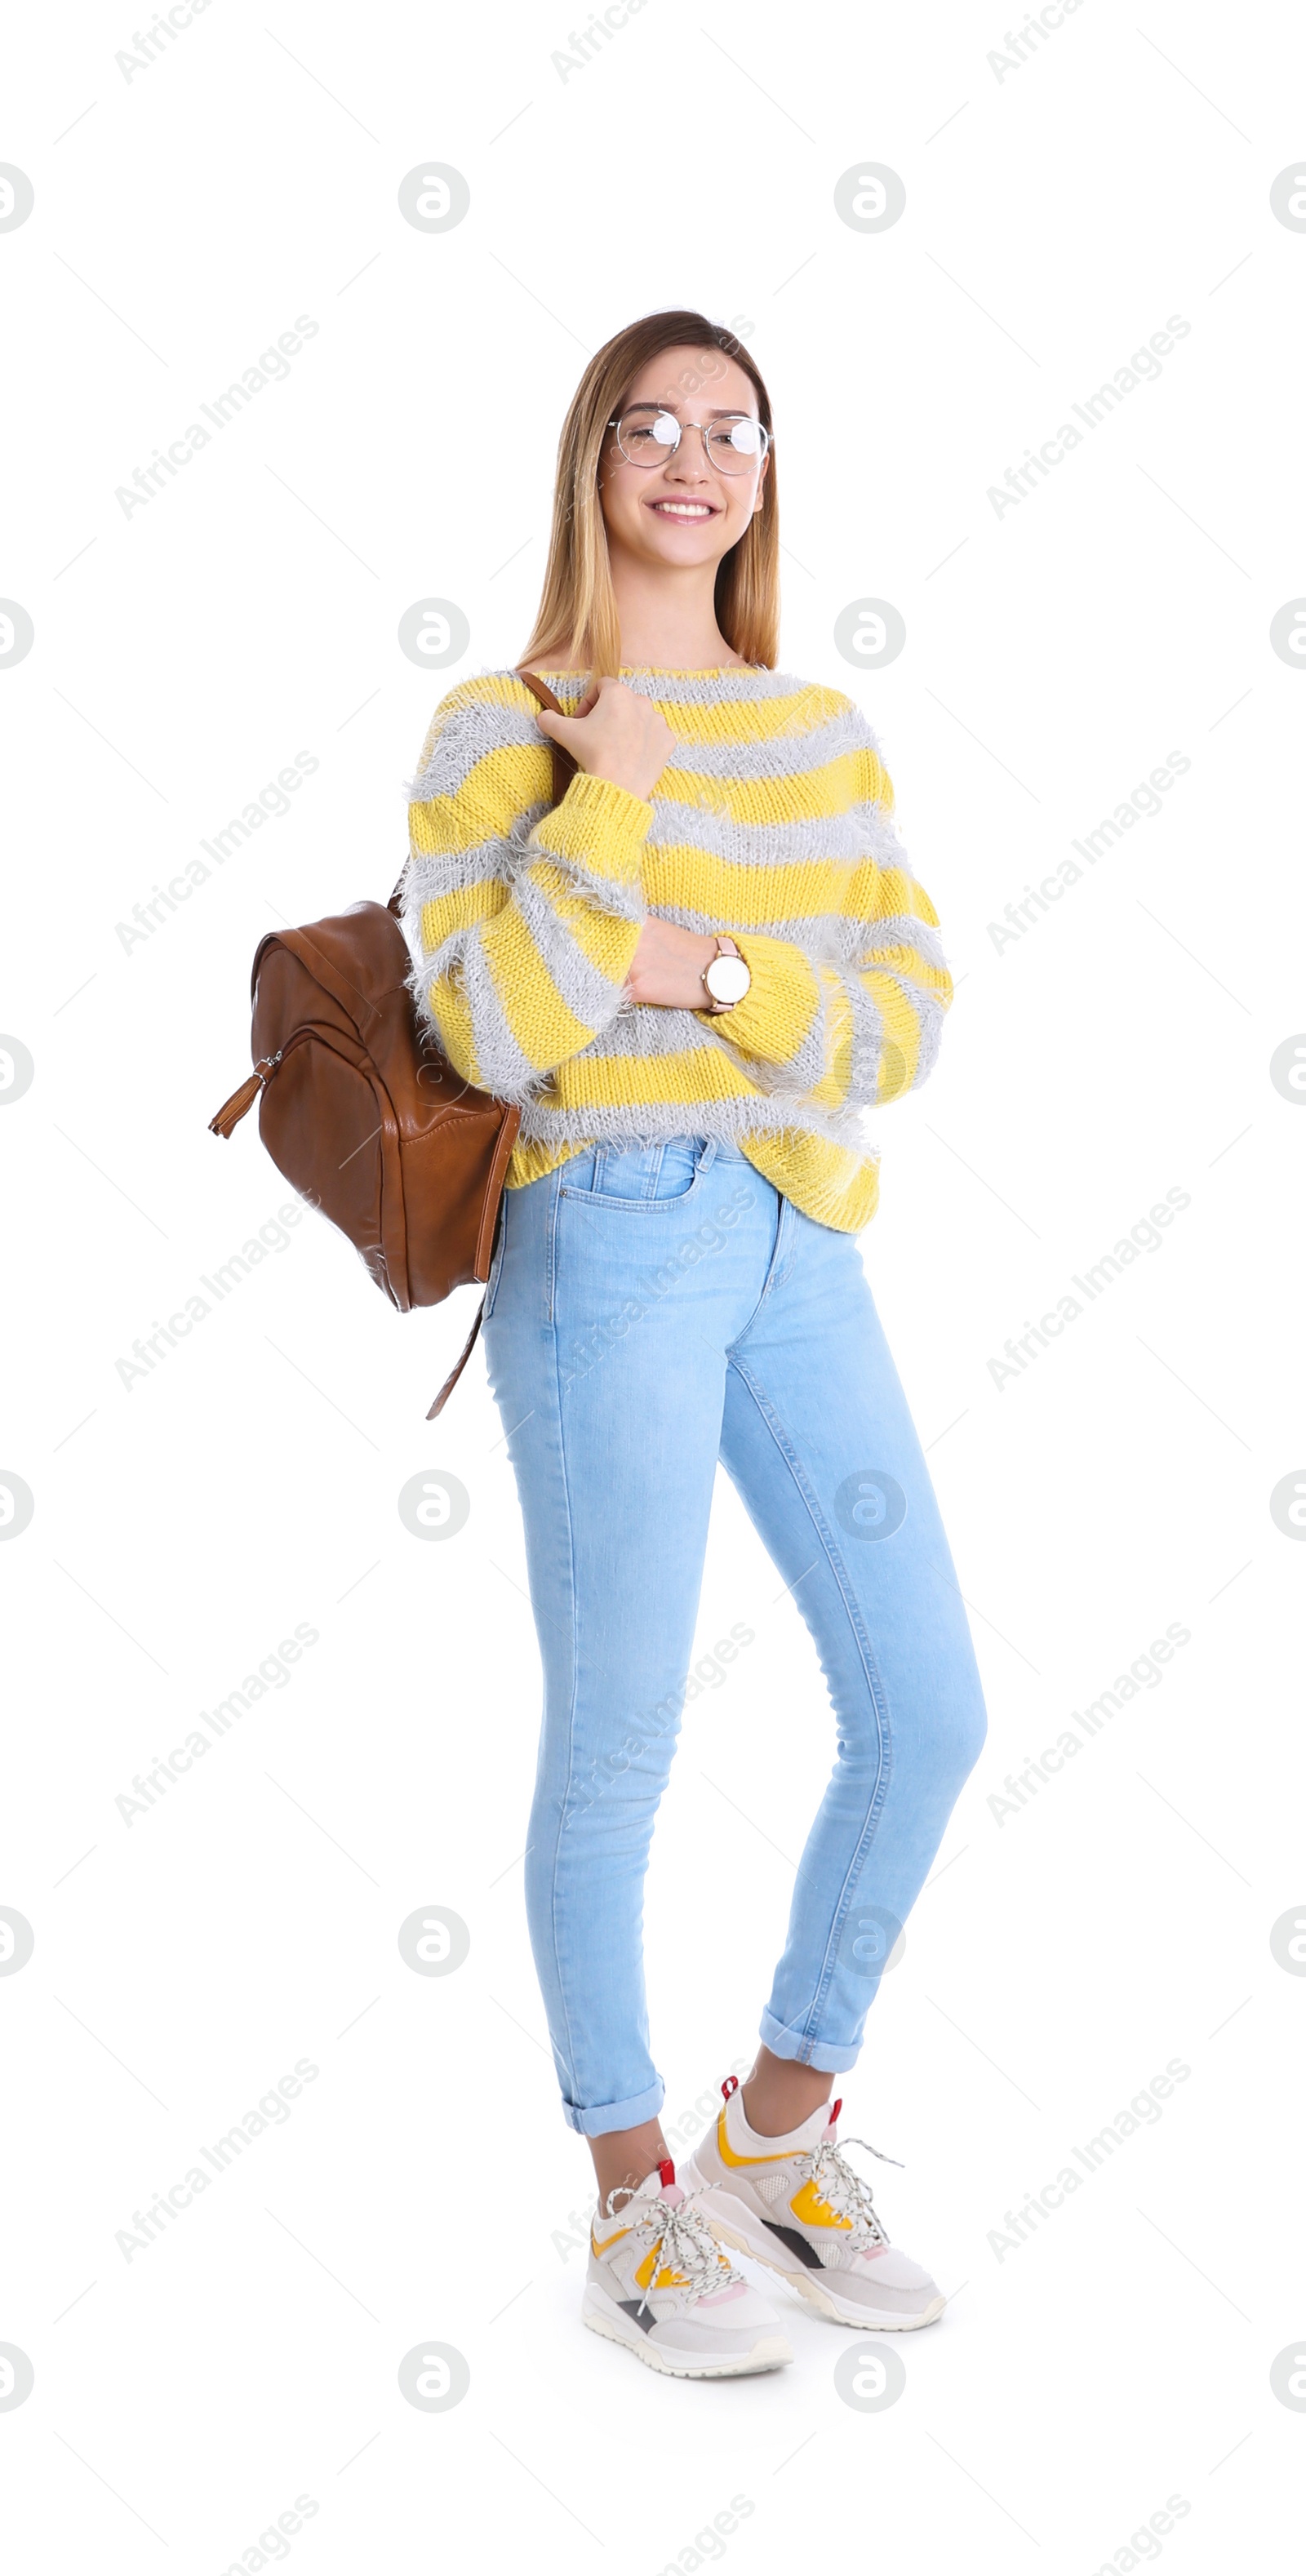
pixel 564 767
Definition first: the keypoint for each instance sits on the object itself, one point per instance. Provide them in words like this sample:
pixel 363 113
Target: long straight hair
pixel 577 611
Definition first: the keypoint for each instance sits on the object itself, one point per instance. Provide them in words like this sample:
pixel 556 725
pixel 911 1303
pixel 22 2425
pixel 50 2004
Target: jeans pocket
pixel 641 1178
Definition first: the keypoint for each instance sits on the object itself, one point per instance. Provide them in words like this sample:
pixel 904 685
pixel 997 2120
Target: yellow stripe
pixel 874 893
pixel 494 792
pixel 741 719
pixel 459 910
pixel 808 797
pixel 697 880
pixel 607 939
pixel 689 1080
pixel 540 1020
pixel 827 1181
pixel 454 1020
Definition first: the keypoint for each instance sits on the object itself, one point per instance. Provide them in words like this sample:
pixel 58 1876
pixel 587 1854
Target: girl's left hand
pixel 668 964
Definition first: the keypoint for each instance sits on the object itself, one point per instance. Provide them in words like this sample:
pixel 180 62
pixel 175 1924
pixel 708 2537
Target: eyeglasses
pixel 648 437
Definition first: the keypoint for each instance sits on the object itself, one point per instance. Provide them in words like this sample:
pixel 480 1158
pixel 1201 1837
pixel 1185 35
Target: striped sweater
pixel 773 820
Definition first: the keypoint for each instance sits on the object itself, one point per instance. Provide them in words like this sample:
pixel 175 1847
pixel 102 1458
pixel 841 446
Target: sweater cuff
pixel 781 1002
pixel 599 827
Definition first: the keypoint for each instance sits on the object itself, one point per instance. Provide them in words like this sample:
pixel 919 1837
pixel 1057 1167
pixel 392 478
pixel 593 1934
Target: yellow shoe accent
pixel 808 2205
pixel 727 2153
pixel 666 2279
pixel 608 2241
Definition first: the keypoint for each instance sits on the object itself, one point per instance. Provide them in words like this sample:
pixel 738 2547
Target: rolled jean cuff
pixel 616 2115
pixel 827 2056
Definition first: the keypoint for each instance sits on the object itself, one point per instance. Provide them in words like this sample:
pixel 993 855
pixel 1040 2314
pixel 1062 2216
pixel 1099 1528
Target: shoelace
pixel 845 2192
pixel 685 2243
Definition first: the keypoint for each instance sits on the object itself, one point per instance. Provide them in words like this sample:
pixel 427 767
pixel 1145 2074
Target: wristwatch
pixel 725 978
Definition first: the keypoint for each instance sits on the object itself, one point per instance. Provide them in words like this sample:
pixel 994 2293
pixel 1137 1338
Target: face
pixel 684 510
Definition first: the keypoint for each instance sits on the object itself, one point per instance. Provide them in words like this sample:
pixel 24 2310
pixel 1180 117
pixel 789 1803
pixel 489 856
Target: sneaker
pixel 659 2283
pixel 795 2204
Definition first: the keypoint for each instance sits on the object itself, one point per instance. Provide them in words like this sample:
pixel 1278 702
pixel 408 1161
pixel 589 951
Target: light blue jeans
pixel 650 1311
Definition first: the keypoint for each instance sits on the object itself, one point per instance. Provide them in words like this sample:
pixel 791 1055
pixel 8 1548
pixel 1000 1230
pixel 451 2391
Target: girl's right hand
pixel 615 734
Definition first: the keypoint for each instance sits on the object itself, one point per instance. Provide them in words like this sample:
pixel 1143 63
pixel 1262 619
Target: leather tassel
pixel 233 1110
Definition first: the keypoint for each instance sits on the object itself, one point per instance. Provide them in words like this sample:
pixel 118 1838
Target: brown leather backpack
pixel 366 1118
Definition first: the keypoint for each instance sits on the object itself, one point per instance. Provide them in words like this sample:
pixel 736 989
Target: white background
pixel 422 2185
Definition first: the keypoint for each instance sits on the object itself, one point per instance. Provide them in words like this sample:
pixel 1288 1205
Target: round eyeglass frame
pixel 650 465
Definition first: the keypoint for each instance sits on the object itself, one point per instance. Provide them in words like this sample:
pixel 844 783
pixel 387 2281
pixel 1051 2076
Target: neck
pixel 668 616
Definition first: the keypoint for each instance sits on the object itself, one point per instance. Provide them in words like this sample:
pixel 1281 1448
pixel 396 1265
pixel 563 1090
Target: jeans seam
pixel 565 1800
pixel 884 1730
pixel 550 1248
pixel 777 1270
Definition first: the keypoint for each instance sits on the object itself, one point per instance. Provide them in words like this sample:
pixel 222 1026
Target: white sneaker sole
pixel 603 2317
pixel 732 2224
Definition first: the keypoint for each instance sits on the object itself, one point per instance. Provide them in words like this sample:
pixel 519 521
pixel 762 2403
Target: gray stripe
pixel 623 897
pixel 868 1043
pixel 647 1032
pixel 682 688
pixel 468 735
pixel 472 731
pixel 428 876
pixel 650 1122
pixel 502 1068
pixel 901 930
pixel 474 727
pixel 785 755
pixel 930 1016
pixel 431 875
pixel 588 993
pixel 650 1030
pixel 825 939
pixel 849 838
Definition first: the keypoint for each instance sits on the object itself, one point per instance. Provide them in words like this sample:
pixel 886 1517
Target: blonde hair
pixel 577 611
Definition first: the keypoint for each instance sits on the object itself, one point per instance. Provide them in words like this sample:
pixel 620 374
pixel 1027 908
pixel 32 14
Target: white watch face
pixel 728 979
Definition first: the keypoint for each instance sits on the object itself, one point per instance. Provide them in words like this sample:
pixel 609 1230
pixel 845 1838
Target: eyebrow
pixel 727 411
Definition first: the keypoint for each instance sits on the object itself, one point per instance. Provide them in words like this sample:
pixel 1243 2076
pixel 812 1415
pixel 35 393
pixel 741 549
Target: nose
pixel 689 463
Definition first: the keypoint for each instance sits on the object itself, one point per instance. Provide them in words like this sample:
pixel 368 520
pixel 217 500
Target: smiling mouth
pixel 690 513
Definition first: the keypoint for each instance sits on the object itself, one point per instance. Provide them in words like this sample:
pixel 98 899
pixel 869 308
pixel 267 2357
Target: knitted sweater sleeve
pixel 523 921
pixel 851 1014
